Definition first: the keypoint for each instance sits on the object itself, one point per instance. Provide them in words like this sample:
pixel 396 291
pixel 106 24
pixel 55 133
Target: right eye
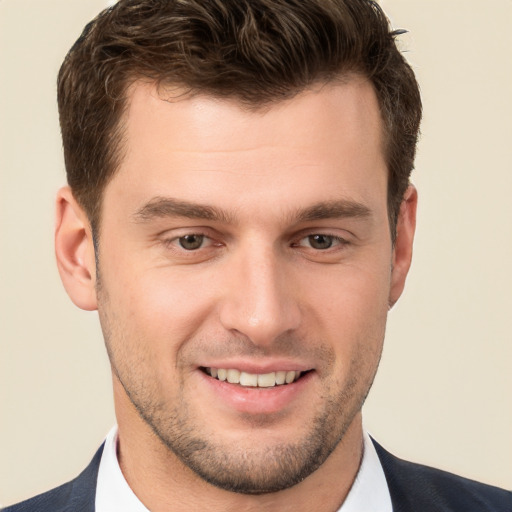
pixel 321 242
pixel 191 242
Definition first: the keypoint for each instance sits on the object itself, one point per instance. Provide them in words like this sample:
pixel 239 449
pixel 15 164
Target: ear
pixel 74 250
pixel 402 250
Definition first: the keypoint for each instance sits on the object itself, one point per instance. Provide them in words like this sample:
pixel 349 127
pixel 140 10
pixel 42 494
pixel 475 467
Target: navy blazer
pixel 413 488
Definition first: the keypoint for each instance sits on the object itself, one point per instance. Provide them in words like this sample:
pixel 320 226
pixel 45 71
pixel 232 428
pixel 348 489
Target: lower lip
pixel 257 400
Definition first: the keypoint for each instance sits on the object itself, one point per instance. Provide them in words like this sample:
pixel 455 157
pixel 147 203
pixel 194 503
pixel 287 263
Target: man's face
pixel 254 246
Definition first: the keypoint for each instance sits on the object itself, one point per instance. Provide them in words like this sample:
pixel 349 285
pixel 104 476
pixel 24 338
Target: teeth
pixel 248 379
pixel 267 380
pixel 280 377
pixel 263 380
pixel 233 376
pixel 290 377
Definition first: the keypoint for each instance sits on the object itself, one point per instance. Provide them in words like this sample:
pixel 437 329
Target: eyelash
pixel 174 242
pixel 336 242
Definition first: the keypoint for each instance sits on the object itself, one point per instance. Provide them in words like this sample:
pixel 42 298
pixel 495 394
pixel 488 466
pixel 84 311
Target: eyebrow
pixel 162 207
pixel 337 209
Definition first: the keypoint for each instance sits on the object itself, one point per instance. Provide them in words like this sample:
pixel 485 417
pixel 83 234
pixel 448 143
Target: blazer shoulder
pixel 418 488
pixel 78 495
pixel 51 500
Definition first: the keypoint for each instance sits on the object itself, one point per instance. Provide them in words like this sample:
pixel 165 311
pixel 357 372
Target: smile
pixel 261 380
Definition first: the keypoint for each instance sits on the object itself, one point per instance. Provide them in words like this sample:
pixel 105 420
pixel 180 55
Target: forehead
pixel 325 141
pixel 292 120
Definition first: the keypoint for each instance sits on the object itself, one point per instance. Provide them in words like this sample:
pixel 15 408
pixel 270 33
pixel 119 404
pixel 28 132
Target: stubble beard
pixel 248 469
pixel 252 469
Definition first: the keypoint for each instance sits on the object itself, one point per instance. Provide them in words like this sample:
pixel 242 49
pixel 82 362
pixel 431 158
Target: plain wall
pixel 443 392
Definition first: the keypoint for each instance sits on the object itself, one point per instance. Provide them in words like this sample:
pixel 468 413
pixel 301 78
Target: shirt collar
pixel 370 489
pixel 112 490
pixel 368 492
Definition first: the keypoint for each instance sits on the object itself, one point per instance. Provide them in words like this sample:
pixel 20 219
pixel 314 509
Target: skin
pixel 258 293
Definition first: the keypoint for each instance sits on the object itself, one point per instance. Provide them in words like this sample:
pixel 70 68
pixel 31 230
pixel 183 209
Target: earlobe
pixel 74 250
pixel 402 251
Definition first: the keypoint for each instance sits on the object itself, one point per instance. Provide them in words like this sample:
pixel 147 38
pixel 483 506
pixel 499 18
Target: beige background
pixel 443 394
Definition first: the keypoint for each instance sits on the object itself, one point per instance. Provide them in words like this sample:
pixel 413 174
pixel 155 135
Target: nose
pixel 260 302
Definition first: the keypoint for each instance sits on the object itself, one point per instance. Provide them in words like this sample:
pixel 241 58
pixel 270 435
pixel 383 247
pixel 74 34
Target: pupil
pixel 320 241
pixel 191 242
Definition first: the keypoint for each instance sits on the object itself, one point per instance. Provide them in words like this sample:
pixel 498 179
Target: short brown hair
pixel 254 51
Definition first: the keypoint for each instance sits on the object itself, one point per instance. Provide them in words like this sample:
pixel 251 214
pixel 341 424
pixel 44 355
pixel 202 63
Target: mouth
pixel 254 380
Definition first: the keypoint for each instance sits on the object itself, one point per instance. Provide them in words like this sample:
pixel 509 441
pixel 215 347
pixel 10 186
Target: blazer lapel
pixel 82 490
pixel 406 493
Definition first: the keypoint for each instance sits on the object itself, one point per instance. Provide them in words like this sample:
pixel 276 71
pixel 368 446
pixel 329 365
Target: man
pixel 239 213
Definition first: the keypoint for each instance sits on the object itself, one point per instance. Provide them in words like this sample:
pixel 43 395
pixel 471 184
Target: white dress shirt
pixel 369 493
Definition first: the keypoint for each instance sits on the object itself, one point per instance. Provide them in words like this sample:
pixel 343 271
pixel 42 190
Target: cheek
pixel 160 305
pixel 349 296
pixel 349 307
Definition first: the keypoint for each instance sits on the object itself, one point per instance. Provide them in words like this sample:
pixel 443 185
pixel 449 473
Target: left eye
pixel 320 242
pixel 191 242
